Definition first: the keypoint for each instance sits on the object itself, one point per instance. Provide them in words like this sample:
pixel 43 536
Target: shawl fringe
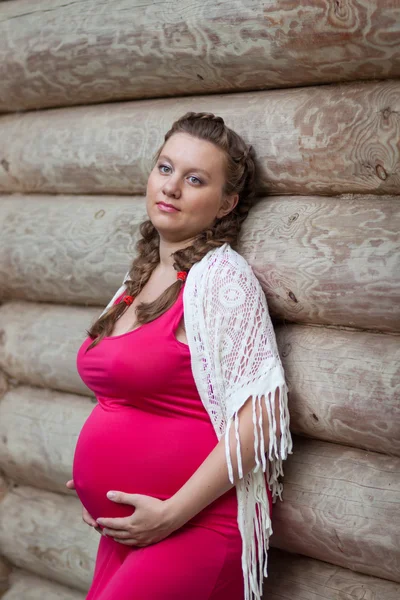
pixel 254 519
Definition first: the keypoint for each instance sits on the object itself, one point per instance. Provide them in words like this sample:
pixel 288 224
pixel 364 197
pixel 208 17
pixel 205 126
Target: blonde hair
pixel 240 178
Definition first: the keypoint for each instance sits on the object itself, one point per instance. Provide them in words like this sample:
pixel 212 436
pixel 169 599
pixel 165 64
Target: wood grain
pixel 333 261
pixel 5 567
pixel 72 249
pixel 54 53
pixel 3 384
pixel 39 429
pixel 3 487
pixel 39 347
pixel 44 534
pixel 344 386
pixel 30 587
pixel 328 261
pixel 341 506
pixel 308 579
pixel 5 571
pixel 318 140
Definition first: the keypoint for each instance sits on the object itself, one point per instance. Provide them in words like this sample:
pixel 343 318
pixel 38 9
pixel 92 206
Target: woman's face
pixel 185 188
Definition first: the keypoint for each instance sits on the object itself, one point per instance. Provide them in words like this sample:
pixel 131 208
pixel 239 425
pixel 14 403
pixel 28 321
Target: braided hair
pixel 240 179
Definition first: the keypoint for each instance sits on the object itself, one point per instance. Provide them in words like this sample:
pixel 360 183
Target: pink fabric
pixel 148 434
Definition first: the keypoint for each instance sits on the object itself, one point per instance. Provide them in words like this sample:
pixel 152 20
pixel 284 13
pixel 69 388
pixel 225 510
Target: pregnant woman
pixel 178 463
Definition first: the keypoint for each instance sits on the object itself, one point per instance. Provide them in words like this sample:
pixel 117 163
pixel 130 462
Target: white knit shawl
pixel 234 357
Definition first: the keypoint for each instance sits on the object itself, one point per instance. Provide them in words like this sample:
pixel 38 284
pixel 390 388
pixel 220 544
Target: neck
pixel 168 248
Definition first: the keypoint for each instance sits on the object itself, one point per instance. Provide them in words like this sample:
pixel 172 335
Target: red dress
pixel 148 434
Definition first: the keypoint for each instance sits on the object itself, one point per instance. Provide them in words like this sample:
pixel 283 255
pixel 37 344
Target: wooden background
pixel 87 91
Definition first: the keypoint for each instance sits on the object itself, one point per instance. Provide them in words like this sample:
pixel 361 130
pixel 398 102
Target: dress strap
pixel 176 312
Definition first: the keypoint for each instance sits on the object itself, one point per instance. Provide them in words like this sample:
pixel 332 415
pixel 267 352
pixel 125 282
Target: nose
pixel 171 188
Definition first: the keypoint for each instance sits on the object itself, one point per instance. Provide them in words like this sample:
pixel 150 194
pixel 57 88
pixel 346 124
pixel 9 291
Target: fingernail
pixel 111 494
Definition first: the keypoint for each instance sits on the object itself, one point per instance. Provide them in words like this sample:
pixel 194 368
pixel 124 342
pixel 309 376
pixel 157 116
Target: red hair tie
pixel 181 275
pixel 128 300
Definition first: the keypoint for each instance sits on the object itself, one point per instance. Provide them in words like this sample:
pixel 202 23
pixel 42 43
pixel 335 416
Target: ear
pixel 228 204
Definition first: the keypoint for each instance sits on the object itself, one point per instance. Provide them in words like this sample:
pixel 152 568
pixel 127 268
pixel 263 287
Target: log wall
pixel 44 533
pixel 29 587
pixel 323 239
pixel 4 577
pixel 86 52
pixel 5 568
pixel 320 260
pixel 341 506
pixel 318 140
pixel 38 450
pixel 309 579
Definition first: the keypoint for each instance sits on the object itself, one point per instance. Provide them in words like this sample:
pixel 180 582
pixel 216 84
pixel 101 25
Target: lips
pixel 167 207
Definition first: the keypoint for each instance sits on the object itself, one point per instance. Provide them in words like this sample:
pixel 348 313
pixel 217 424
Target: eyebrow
pixel 165 157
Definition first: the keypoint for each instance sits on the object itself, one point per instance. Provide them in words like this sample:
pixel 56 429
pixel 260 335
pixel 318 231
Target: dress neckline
pixel 112 337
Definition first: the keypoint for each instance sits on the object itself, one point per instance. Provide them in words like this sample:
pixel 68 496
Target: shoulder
pixel 232 269
pixel 225 280
pixel 223 262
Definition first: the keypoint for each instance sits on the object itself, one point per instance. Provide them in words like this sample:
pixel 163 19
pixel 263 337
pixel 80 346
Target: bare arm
pixel 211 480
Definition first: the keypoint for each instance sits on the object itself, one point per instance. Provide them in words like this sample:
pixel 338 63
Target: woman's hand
pixel 86 517
pixel 151 522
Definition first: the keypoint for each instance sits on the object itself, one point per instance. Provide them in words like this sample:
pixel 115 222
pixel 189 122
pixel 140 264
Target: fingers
pixel 88 519
pixel 118 534
pixel 123 537
pixel 131 543
pixel 123 497
pixel 70 484
pixel 117 523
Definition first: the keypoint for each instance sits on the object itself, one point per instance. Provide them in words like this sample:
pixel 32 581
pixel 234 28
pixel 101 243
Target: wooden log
pixel 29 587
pixel 5 571
pixel 44 534
pixel 329 261
pixel 3 487
pixel 72 249
pixel 3 384
pixel 323 140
pixel 344 386
pixel 292 576
pixel 29 335
pixel 38 433
pixel 341 506
pixel 55 53
pixel 320 260
pixel 5 568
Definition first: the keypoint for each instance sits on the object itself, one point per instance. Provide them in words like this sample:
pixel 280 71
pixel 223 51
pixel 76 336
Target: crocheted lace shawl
pixel 234 357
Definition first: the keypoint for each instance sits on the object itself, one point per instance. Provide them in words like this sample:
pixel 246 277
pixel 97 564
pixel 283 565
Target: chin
pixel 164 221
pixel 173 235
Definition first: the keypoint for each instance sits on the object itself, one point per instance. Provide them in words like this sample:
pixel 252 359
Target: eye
pixel 161 167
pixel 196 180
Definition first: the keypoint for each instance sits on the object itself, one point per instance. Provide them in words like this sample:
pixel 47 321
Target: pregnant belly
pixel 129 450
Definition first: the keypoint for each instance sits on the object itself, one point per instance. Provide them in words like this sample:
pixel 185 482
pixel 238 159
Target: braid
pixel 148 257
pixel 240 178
